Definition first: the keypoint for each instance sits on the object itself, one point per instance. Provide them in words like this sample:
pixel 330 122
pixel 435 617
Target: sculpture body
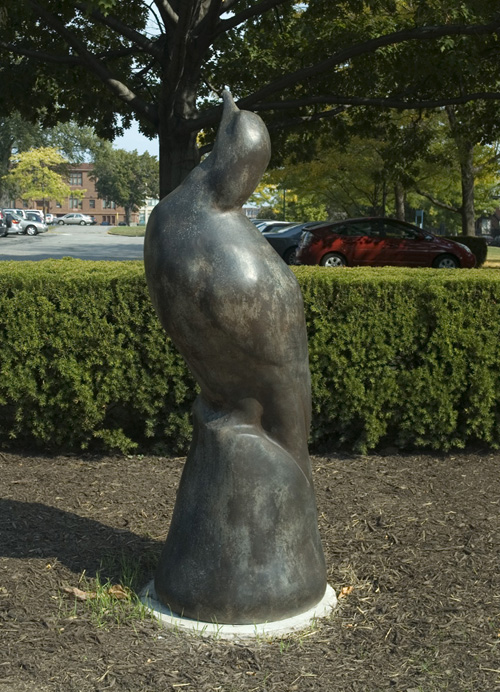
pixel 243 545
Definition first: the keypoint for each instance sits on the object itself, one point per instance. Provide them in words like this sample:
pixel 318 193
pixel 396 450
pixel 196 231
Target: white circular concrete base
pixel 277 628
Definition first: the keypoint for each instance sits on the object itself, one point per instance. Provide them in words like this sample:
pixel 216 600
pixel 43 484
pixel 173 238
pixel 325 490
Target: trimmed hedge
pixel 398 356
pixel 84 359
pixel 404 356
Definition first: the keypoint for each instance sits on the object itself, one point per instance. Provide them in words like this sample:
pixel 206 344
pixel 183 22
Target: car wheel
pixel 5 232
pixel 446 262
pixel 61 223
pixel 290 255
pixel 82 223
pixel 333 259
pixel 31 230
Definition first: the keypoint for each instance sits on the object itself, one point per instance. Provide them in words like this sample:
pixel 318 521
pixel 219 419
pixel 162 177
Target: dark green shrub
pixel 83 358
pixel 404 356
pixel 408 356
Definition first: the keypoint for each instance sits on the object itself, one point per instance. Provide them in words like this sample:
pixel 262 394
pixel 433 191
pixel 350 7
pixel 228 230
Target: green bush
pixel 402 356
pixel 83 358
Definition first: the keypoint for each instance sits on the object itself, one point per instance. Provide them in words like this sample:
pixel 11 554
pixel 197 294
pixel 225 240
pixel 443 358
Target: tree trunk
pixel 465 150
pixel 467 173
pixel 178 156
pixel 399 201
pixel 178 147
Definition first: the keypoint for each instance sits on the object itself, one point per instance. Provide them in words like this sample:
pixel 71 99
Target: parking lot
pixel 82 242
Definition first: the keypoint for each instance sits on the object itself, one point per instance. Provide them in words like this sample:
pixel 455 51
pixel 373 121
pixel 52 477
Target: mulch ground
pixel 412 544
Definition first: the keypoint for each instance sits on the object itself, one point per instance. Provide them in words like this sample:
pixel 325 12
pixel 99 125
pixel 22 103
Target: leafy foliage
pixel 404 356
pixel 38 174
pixel 299 64
pixel 125 177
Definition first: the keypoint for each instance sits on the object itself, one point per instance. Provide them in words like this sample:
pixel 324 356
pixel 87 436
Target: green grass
pixel 108 601
pixel 493 258
pixel 128 230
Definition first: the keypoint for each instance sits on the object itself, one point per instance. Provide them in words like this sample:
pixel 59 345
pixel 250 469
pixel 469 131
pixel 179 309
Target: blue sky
pixel 133 139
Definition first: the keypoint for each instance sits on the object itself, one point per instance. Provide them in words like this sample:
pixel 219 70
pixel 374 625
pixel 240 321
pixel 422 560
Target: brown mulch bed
pixel 412 543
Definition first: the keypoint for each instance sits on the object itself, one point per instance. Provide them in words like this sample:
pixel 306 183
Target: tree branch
pixel 166 11
pixel 438 202
pixel 237 19
pixel 42 57
pixel 343 56
pixel 137 38
pixel 120 90
pixel 388 102
pixel 227 5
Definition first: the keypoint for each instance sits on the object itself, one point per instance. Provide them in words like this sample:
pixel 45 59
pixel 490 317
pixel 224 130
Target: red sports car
pixel 378 242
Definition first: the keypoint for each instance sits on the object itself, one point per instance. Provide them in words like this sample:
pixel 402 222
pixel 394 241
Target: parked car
pixel 75 218
pixel 18 212
pixel 257 221
pixel 49 218
pixel 34 215
pixel 286 240
pixel 32 227
pixel 264 226
pixel 17 225
pixel 496 241
pixel 379 242
pixel 12 220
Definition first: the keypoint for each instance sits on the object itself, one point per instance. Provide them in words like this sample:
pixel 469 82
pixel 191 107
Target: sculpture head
pixel 240 156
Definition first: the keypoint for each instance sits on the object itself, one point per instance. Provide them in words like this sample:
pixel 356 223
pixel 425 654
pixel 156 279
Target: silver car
pixel 16 224
pixel 75 218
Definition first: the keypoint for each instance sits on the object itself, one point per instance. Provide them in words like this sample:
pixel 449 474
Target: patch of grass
pixel 493 258
pixel 111 602
pixel 134 231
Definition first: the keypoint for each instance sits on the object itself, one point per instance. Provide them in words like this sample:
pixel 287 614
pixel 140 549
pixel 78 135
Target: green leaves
pixel 38 174
pixel 126 178
pixel 402 356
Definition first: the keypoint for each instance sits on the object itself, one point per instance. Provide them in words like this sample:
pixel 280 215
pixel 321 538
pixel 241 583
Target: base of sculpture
pixel 278 628
pixel 243 544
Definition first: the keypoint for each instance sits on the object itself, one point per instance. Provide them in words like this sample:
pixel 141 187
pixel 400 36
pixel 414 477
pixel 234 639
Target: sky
pixel 133 139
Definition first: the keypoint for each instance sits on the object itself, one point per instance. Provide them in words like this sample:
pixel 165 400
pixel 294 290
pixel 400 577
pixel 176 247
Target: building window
pixel 76 178
pixel 75 203
pixel 92 203
pixel 106 204
pixel 58 205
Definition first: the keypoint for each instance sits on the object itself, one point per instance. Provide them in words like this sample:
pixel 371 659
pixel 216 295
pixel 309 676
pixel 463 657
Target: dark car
pixel 286 241
pixel 379 242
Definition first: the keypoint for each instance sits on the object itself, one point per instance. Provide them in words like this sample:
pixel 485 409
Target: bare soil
pixel 412 543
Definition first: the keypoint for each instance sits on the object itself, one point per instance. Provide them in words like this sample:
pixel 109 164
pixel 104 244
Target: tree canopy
pixel 102 62
pixel 38 174
pixel 125 177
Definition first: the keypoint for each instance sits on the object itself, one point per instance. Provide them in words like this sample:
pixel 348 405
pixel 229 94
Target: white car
pixel 19 212
pixel 78 219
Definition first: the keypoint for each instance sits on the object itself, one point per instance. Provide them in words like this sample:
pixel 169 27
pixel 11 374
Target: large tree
pixel 296 63
pixel 125 177
pixel 38 174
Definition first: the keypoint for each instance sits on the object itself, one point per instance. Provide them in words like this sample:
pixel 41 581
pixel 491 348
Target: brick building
pixel 91 204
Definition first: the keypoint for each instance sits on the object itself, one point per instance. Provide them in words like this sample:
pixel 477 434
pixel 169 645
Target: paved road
pixel 83 242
